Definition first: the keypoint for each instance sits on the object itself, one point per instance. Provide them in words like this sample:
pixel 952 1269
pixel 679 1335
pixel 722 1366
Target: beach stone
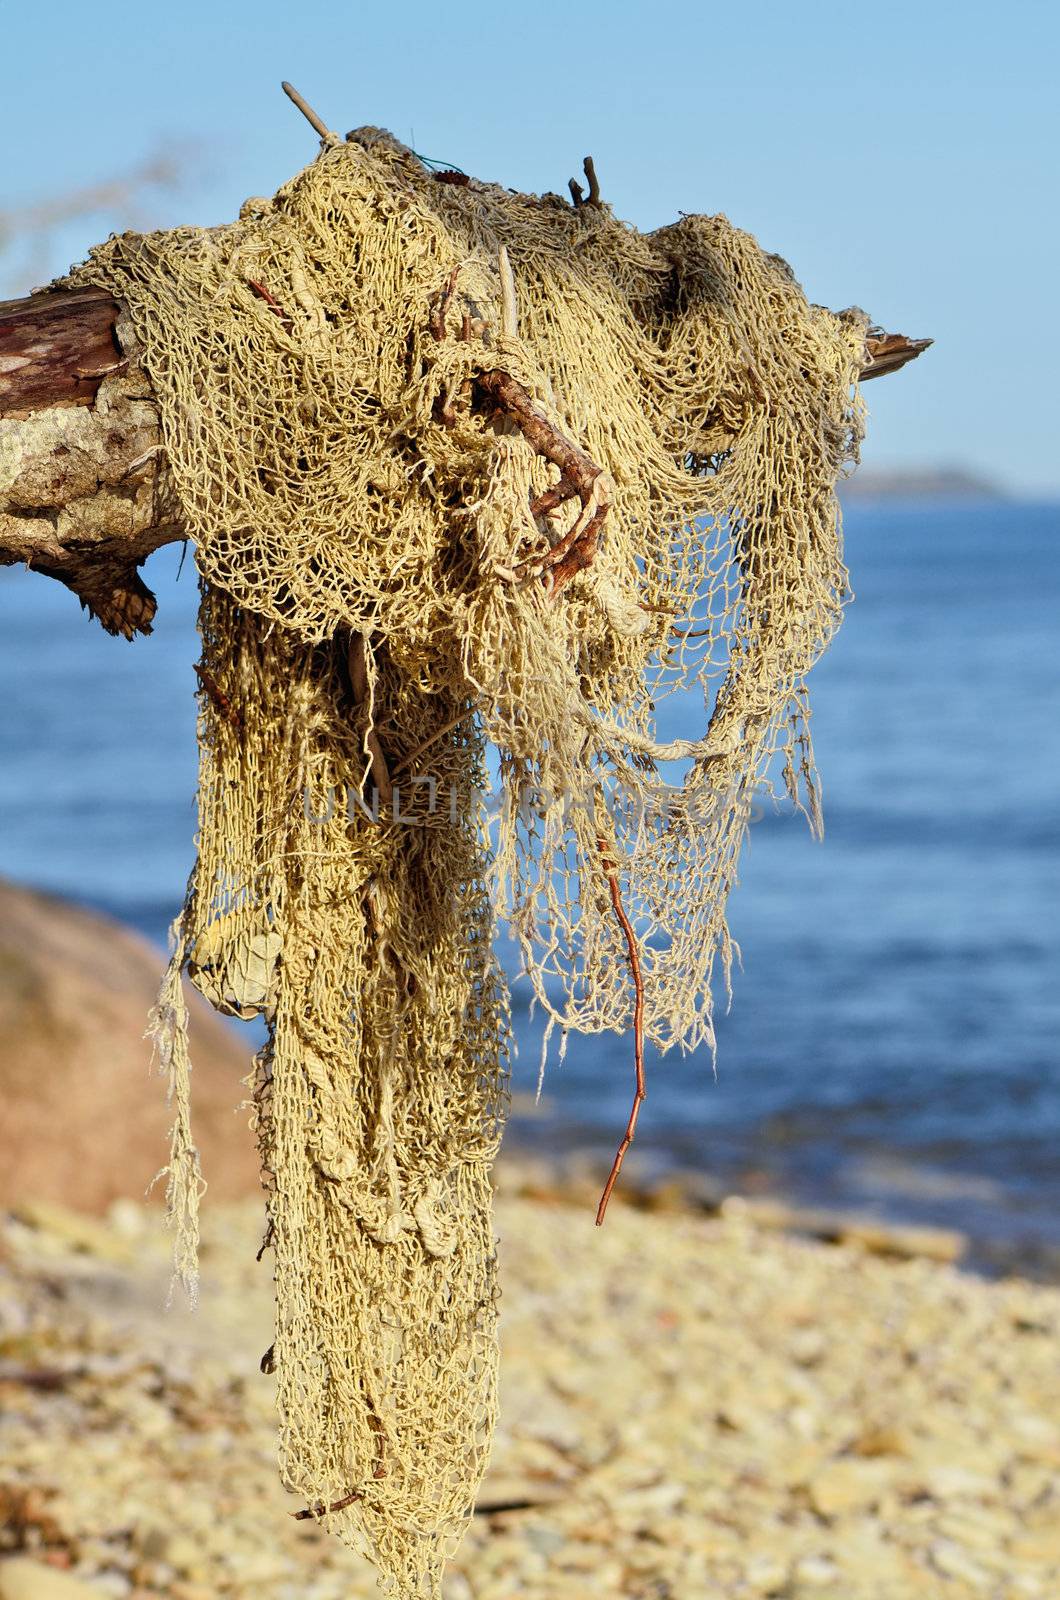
pixel 946 1480
pixel 1041 1545
pixel 23 1579
pixel 183 1554
pixel 815 1572
pixel 987 1531
pixel 766 1575
pixel 881 1441
pixel 1039 1438
pixel 953 1562
pixel 808 1346
pixel 656 1407
pixel 75 1229
pixel 849 1485
pixel 932 1244
pixel 85 1121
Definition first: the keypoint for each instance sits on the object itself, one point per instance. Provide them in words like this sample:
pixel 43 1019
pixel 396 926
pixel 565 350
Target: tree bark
pixel 85 495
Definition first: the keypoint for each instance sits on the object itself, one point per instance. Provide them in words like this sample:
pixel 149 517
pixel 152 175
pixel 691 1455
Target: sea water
pixel 894 1038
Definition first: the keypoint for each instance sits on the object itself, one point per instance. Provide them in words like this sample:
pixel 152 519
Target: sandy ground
pixel 692 1407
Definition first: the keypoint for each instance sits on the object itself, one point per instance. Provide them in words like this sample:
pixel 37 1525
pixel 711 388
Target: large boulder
pixel 83 1118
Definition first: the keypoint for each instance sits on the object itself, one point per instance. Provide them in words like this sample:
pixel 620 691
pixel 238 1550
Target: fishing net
pixel 465 468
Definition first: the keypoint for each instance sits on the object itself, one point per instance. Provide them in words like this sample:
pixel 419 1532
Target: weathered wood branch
pixel 85 495
pixel 887 352
pixel 55 349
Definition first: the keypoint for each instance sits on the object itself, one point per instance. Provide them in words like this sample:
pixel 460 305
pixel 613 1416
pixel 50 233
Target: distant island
pixel 919 483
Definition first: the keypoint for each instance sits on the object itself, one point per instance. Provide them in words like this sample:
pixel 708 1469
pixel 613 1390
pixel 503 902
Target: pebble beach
pixel 692 1407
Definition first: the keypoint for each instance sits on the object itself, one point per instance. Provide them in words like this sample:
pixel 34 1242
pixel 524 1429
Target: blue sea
pixel 894 1040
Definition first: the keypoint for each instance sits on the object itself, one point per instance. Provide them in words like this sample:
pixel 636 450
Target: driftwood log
pixel 85 495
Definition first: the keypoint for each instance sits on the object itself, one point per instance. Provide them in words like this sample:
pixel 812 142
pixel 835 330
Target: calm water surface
pixel 894 1041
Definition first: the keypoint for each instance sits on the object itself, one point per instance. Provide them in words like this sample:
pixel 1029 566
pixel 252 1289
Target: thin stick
pixel 440 310
pixel 321 1510
pixel 272 303
pixel 509 305
pixel 638 1029
pixel 577 548
pixel 578 475
pixel 886 352
pixel 577 193
pixel 310 115
pixel 414 755
pixel 231 714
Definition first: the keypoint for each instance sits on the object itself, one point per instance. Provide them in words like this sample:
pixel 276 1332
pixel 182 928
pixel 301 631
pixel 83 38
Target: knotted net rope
pixel 465 467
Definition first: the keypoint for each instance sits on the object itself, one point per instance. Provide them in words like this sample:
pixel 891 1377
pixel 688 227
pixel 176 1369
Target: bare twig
pixel 272 303
pixel 509 305
pixel 45 1378
pixel 579 476
pixel 414 755
pixel 322 1510
pixel 638 1026
pixel 497 1508
pixel 380 1469
pixel 887 352
pixel 327 135
pixel 577 193
pixel 231 714
pixel 441 306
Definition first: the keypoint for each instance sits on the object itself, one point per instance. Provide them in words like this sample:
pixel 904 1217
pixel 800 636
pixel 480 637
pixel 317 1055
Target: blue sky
pixel 902 157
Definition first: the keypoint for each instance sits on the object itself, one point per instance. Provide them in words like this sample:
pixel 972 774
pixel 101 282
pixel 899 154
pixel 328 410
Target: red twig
pixel 322 1510
pixel 558 495
pixel 441 306
pixel 232 715
pixel 579 477
pixel 638 1029
pixel 378 1471
pixel 272 303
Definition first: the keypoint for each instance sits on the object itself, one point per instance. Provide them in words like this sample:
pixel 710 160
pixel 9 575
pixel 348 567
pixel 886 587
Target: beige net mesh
pixel 465 466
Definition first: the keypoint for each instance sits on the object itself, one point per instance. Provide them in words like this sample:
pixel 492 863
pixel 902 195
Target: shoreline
pixel 574 1176
pixel 690 1406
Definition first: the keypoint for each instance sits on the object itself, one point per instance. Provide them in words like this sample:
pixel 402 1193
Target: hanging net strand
pixel 466 469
